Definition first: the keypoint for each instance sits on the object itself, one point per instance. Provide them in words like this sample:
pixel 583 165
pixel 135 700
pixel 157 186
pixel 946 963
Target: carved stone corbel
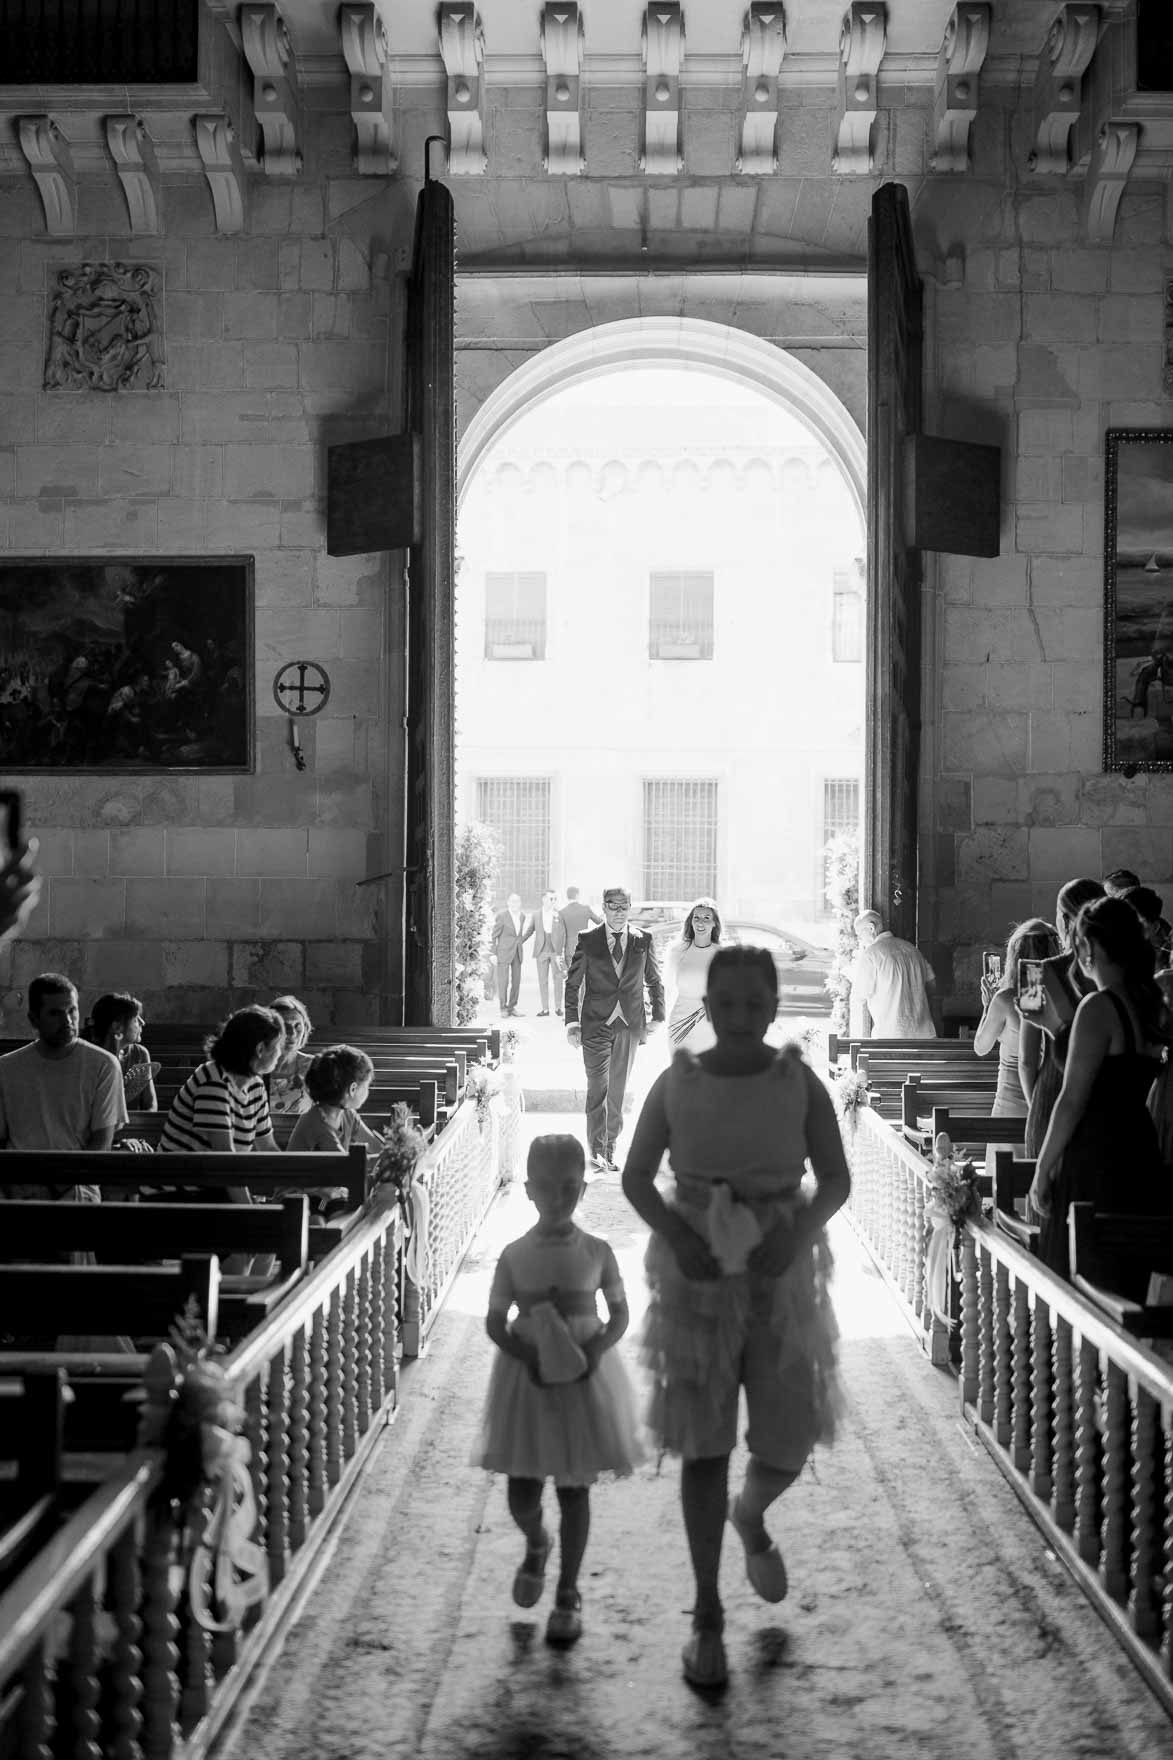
pixel 959 66
pixel 215 140
pixel 269 53
pixel 663 51
pixel 1058 94
pixel 133 153
pixel 763 45
pixel 862 39
pixel 561 38
pixel 51 163
pixel 1112 158
pixel 462 46
pixel 364 49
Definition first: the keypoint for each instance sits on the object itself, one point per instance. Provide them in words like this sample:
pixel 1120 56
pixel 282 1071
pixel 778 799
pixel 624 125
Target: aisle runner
pixel 925 1615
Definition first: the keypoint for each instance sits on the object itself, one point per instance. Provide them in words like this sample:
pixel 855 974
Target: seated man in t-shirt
pixel 58 1092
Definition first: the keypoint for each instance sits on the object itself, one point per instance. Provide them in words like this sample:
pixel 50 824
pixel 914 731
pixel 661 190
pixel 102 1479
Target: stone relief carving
pixel 966 44
pixel 462 46
pixel 105 332
pixel 364 49
pixel 862 41
pixel 561 39
pixel 763 45
pixel 663 52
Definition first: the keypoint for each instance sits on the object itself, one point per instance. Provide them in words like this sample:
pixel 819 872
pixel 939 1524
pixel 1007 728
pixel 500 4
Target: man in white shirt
pixel 892 982
pixel 58 1092
pixel 550 951
pixel 511 930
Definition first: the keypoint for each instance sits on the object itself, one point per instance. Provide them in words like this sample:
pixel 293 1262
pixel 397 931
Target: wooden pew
pixel 918 1097
pixel 52 1300
pixel 1011 1181
pixel 422 1095
pixel 1112 1258
pixel 114 1171
pixel 968 1130
pixel 134 1233
pixel 32 1441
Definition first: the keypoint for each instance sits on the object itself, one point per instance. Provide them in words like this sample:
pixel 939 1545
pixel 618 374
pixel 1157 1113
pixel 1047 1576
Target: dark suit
pixel 550 956
pixel 507 945
pixel 593 989
pixel 576 917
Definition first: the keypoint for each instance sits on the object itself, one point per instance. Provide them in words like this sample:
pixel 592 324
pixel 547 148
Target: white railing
pixel 459 1175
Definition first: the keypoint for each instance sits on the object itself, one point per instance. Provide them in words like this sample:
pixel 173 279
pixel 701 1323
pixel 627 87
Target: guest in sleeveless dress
pixel 687 967
pixel 1042 1047
pixel 559 1404
pixel 738 1271
pixel 116 1024
pixel 1101 1144
pixel 1000 1024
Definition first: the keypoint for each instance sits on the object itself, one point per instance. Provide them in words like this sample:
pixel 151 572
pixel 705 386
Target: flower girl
pixel 559 1404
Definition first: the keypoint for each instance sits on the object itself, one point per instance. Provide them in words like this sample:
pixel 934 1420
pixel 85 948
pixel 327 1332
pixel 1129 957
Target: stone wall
pixel 194 892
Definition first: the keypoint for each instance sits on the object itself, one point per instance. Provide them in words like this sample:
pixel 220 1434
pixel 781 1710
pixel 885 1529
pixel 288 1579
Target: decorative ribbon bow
pixel 228 1570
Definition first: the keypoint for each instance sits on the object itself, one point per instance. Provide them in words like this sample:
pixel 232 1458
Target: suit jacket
pixel 553 945
pixel 592 988
pixel 506 943
pixel 576 917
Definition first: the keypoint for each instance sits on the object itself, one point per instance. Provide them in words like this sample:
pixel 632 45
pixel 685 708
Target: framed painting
pixel 1138 600
pixel 127 664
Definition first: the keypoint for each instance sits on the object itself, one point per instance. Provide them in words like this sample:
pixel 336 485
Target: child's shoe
pixel 765 1568
pixel 530 1577
pixel 564 1625
pixel 704 1658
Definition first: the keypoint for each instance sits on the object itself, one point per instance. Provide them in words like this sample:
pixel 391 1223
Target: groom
pixel 611 969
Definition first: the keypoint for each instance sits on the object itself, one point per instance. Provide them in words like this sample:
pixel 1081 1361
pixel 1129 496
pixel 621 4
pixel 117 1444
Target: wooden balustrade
pixel 1078 1415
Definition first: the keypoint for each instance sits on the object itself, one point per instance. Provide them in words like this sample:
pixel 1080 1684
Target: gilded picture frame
pixel 127 664
pixel 1138 600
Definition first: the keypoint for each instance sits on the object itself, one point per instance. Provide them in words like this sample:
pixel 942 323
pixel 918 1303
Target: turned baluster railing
pixel 460 1175
pixel 1082 1417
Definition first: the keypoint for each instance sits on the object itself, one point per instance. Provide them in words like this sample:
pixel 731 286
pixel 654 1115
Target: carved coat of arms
pixel 104 329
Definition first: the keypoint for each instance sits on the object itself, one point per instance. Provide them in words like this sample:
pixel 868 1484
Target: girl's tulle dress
pixel 571 1431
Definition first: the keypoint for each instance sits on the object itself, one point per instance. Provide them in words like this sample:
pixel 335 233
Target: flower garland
pixel 953 1198
pixel 192 1412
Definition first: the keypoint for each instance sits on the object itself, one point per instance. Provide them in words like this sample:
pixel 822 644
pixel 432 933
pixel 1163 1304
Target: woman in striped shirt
pixel 222 1107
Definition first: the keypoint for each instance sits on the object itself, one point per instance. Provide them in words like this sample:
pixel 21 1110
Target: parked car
pixel 803 968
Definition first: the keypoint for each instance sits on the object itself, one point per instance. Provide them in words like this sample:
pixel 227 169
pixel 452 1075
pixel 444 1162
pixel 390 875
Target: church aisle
pixel 925 1613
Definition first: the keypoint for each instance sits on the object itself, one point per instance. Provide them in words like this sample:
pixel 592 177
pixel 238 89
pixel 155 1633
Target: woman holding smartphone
pixel 1000 1024
pixel 1042 1040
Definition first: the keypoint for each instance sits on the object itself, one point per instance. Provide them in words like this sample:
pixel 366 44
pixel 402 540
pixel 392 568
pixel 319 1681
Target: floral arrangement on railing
pixel 953 1199
pixel 510 1040
pixel 192 1413
pixel 395 1170
pixel 851 1095
pixel 482 1087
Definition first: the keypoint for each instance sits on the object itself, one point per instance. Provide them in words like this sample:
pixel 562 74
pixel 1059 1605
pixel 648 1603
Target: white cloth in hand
pixel 734 1230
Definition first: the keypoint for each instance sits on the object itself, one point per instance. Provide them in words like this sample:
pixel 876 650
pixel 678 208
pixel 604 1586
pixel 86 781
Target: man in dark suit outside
pixel 609 974
pixel 550 951
pixel 511 930
pixel 576 917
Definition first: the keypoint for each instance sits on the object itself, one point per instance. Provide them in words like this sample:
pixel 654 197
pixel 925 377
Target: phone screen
pixel 992 966
pixel 1031 996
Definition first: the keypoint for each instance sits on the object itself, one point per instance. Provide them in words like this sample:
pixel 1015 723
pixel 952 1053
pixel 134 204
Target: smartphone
pixel 1030 994
pixel 992 966
pixel 11 805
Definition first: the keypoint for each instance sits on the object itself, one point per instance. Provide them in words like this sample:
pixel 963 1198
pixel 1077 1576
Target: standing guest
pixel 685 972
pixel 1101 1144
pixel 287 1086
pixel 1042 1041
pixel 612 969
pixel 559 1404
pixel 1120 881
pixel 20 888
pixel 58 1092
pixel 1150 908
pixel 1000 1024
pixel 550 951
pixel 892 982
pixel 576 917
pixel 512 928
pixel 223 1108
pixel 339 1084
pixel 116 1024
pixel 738 1270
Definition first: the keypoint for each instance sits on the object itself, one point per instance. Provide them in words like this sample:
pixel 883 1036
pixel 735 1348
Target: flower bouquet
pixel 851 1095
pixel 953 1197
pixel 396 1171
pixel 482 1086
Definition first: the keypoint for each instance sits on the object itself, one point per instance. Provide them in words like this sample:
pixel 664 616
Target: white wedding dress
pixel 687 971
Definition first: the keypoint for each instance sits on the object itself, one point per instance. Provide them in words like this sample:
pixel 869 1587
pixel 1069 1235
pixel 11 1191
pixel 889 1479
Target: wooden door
pixel 429 892
pixel 892 746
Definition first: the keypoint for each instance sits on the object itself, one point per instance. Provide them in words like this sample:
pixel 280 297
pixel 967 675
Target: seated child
pixel 338 1082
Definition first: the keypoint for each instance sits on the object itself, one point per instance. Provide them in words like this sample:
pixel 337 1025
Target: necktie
pixel 617 952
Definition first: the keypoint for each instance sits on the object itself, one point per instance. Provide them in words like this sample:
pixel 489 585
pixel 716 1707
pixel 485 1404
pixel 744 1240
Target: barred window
pixel 680 837
pixel 99 42
pixel 846 616
pixel 840 813
pixel 518 809
pixel 681 621
pixel 515 616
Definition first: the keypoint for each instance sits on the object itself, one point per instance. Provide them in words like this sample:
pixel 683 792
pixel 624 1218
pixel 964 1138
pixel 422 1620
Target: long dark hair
pixel 736 956
pixel 241 1036
pixel 1114 927
pixel 108 1010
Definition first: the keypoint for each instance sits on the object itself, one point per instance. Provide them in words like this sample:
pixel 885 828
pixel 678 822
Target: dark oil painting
pixel 126 665
pixel 1138 600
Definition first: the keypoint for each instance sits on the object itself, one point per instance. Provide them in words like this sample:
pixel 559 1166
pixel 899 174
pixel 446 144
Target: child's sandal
pixel 564 1625
pixel 530 1577
pixel 765 1569
pixel 703 1658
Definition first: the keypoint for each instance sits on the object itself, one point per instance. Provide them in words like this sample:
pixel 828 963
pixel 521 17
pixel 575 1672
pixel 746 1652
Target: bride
pixel 687 969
